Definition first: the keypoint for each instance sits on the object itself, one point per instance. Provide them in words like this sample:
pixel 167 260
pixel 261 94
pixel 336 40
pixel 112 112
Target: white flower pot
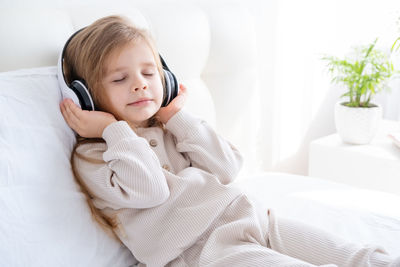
pixel 356 125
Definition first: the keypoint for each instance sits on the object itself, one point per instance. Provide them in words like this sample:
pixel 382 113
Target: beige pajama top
pixel 166 188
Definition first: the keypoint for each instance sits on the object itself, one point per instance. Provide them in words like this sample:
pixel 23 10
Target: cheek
pixel 159 90
pixel 112 102
pixel 117 102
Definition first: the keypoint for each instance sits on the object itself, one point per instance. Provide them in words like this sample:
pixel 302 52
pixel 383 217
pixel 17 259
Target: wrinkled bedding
pixel 365 216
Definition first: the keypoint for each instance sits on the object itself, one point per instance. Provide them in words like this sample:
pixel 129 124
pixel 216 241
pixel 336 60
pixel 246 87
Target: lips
pixel 141 101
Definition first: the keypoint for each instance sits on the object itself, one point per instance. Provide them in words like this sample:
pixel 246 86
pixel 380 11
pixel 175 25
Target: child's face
pixel 133 88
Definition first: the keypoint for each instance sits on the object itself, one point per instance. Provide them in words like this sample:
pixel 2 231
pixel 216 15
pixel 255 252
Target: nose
pixel 137 88
pixel 138 83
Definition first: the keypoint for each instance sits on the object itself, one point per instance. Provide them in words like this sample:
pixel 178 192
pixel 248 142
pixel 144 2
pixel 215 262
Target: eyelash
pixel 120 80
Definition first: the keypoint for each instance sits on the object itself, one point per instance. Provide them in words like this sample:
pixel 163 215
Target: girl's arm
pixel 206 150
pixel 127 174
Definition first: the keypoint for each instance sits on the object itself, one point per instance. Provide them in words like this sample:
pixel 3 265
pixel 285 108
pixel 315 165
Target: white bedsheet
pixel 364 216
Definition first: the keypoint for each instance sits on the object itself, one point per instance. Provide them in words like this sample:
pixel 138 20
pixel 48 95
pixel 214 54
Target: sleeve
pixel 128 174
pixel 204 147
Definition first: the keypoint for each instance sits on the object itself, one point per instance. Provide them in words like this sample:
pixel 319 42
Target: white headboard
pixel 210 47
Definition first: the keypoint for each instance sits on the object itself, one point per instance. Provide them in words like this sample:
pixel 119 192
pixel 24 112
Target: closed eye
pixel 148 74
pixel 119 80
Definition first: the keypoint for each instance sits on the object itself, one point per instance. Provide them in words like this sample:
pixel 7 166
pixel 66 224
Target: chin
pixel 141 121
pixel 145 115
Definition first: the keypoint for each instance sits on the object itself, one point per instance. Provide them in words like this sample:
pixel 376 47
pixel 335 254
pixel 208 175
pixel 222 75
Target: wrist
pixel 165 116
pixel 117 131
pixel 106 124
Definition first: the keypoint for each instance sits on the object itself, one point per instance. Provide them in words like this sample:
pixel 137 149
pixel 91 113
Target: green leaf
pixel 372 89
pixel 365 75
pixel 394 44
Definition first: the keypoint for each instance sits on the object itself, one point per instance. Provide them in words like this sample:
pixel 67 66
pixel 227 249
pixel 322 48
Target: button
pixel 153 142
pixel 166 167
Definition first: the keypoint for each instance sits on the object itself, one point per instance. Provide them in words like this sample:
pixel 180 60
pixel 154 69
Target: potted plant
pixel 363 74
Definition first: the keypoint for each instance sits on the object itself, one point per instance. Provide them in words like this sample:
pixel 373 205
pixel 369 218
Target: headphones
pixel 79 92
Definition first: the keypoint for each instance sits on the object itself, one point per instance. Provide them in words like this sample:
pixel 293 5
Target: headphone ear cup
pixel 171 88
pixel 83 94
pixel 167 89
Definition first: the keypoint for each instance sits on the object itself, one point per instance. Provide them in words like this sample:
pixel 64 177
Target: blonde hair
pixel 85 59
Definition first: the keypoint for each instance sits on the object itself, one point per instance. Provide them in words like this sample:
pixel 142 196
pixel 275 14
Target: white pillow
pixel 44 217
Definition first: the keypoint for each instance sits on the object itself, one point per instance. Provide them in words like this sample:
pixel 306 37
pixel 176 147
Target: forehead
pixel 133 53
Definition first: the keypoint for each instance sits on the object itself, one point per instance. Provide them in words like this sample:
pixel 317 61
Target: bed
pixel 44 218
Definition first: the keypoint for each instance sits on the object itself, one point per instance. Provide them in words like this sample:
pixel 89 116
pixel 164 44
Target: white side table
pixel 374 166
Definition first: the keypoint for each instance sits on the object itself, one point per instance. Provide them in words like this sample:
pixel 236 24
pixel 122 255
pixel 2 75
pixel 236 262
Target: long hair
pixel 85 59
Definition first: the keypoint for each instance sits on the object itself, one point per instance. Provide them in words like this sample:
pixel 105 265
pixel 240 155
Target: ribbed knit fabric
pixel 169 191
pixel 319 247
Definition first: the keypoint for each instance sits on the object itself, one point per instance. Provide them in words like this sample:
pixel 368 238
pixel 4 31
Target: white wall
pixel 304 31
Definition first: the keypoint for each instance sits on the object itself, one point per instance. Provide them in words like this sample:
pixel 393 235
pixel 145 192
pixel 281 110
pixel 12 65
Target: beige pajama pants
pixel 244 236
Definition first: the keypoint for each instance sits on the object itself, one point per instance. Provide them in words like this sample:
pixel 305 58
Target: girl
pixel 158 177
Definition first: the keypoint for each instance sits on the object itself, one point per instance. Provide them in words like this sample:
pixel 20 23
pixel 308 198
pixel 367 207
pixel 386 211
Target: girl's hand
pixel 86 123
pixel 165 113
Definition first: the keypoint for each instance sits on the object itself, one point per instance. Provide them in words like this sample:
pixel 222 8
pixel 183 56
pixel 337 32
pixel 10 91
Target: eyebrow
pixel 144 64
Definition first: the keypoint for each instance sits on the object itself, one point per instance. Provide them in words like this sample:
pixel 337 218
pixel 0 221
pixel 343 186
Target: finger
pixel 64 110
pixel 66 101
pixel 66 116
pixel 176 104
pixel 179 101
pixel 76 110
pixel 182 92
pixel 182 88
pixel 62 107
pixel 72 119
